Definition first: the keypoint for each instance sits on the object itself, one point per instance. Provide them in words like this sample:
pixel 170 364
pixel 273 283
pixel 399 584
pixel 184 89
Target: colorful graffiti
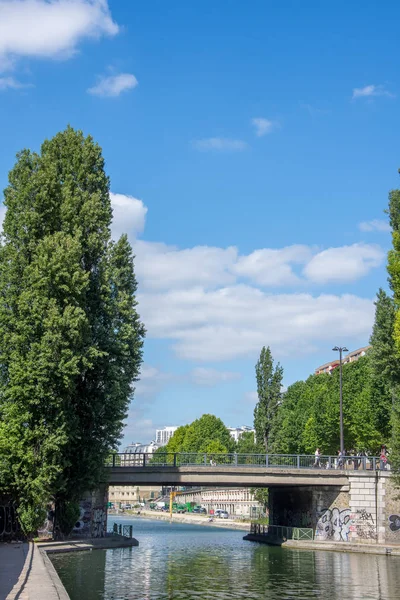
pixel 334 524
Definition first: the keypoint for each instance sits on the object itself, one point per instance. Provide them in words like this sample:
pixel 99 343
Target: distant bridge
pixel 235 470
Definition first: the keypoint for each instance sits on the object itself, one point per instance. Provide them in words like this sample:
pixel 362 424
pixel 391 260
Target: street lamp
pixel 341 350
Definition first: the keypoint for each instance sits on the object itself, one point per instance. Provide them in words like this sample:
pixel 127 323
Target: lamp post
pixel 341 350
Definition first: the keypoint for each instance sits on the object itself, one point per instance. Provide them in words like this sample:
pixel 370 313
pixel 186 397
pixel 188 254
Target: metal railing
pixel 124 530
pixel 281 532
pixel 272 461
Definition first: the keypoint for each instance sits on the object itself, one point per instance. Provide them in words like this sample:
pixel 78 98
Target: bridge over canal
pixel 347 500
pixel 234 470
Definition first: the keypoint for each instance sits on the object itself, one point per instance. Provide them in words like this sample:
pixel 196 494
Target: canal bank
pixel 183 518
pixel 27 573
pixel 387 550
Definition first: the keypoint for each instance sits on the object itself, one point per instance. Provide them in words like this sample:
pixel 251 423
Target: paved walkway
pixel 25 574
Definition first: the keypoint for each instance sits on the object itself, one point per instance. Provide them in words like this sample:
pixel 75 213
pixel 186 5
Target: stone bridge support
pixel 92 521
pixel 367 510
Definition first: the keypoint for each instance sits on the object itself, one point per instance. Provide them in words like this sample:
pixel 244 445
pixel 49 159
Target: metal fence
pixel 281 532
pixel 272 461
pixel 119 529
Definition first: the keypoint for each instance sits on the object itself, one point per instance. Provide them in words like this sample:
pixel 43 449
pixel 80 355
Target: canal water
pixel 193 562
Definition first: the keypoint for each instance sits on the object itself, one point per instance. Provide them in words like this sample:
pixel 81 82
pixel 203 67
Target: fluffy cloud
pixel 129 215
pixel 273 267
pixel 114 85
pixel 374 225
pixel 344 264
pixel 50 28
pixel 151 381
pixel 210 377
pixel 238 320
pixel 263 126
pixel 159 266
pixel 371 90
pixel 220 144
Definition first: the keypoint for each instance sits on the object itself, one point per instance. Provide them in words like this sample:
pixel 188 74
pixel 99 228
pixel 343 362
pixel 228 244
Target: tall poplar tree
pixel 70 335
pixel 269 382
pixel 393 369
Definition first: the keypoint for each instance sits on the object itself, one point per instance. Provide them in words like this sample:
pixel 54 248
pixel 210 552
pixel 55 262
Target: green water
pixel 192 562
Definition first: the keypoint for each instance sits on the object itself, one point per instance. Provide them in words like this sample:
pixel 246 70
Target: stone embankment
pixel 27 573
pixel 183 518
pixel 387 550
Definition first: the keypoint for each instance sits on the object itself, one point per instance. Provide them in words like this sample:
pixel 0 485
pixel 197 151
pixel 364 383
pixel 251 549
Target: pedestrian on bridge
pixel 317 463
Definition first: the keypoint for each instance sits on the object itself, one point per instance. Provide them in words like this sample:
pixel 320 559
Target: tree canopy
pixel 206 434
pixel 70 335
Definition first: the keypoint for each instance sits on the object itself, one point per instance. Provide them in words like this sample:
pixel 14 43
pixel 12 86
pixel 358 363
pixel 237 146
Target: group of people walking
pixel 352 457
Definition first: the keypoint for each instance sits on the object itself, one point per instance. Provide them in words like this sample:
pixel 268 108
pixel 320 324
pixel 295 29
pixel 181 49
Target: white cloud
pixel 344 264
pixel 159 266
pixel 238 320
pixel 374 225
pixel 151 381
pixel 10 83
pixel 50 28
pixel 210 377
pixel 273 267
pixel 263 126
pixel 129 216
pixel 220 144
pixel 371 90
pixel 114 85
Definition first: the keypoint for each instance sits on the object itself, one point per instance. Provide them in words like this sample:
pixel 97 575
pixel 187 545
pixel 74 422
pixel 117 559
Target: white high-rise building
pixel 237 432
pixel 164 435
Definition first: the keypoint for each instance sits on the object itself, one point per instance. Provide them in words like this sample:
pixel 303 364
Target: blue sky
pixel 251 148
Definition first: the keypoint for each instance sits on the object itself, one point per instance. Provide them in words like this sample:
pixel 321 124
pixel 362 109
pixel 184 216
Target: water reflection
pixel 176 561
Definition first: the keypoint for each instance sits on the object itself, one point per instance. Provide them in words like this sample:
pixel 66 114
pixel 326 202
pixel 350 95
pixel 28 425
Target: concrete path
pixel 27 574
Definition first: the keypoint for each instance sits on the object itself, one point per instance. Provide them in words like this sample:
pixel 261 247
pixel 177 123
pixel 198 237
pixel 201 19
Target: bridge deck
pixel 223 476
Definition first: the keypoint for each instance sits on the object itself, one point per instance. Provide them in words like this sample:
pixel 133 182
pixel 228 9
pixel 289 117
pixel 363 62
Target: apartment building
pixel 237 432
pixel 350 357
pixel 132 494
pixel 133 454
pixel 164 435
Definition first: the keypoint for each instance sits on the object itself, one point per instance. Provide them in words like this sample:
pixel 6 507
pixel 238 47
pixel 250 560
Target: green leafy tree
pixel 269 383
pixel 246 443
pixel 206 434
pixel 308 416
pixel 390 320
pixel 71 338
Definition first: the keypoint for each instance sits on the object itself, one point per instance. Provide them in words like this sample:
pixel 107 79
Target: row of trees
pixel 70 336
pixel 306 416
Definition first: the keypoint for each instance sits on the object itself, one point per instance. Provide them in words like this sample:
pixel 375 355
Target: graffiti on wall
pixel 9 526
pixel 334 524
pixel 82 526
pixel 99 520
pixel 394 522
pixel 364 524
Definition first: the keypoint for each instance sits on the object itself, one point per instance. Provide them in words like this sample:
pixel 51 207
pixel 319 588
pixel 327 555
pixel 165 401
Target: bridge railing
pixel 278 461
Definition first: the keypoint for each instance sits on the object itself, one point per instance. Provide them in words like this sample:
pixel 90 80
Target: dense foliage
pixel 206 434
pixel 70 336
pixel 308 416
